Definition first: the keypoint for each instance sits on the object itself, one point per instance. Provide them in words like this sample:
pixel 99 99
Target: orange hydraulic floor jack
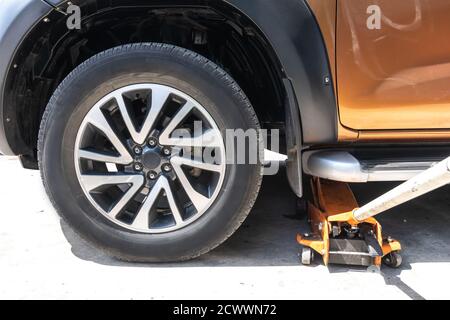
pixel 342 233
pixel 338 239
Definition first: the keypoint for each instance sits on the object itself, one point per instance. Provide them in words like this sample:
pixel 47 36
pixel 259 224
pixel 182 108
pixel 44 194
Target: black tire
pixel 393 260
pixel 131 64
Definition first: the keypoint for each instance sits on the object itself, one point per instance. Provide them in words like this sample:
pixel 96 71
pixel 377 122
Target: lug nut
pixel 167 151
pixel 167 167
pixel 152 142
pixel 152 175
pixel 137 150
pixel 138 167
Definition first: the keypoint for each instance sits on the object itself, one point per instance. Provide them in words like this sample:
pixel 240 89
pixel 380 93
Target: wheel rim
pixel 138 158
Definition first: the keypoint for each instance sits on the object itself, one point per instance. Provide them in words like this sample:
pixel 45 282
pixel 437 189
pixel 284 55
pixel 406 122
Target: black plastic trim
pixel 294 169
pixel 17 19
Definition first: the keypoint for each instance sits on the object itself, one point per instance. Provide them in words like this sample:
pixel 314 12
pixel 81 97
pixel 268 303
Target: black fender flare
pixel 292 30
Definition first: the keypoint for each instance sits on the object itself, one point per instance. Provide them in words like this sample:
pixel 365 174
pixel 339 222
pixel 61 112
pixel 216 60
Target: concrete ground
pixel 41 257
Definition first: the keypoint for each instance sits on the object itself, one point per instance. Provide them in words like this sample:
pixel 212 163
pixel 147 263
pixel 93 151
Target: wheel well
pixel 216 31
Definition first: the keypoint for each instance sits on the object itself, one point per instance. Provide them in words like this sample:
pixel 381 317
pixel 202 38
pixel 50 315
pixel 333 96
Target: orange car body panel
pixel 392 82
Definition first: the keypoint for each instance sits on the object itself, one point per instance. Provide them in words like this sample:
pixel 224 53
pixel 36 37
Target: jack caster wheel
pixel 393 260
pixel 307 256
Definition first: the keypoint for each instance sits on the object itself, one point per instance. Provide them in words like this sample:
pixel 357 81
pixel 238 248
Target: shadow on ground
pixel 267 237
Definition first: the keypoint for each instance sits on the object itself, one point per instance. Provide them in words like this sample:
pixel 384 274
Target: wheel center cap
pixel 151 160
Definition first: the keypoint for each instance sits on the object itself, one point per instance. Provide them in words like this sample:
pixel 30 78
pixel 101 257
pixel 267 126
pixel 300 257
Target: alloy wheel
pixel 150 158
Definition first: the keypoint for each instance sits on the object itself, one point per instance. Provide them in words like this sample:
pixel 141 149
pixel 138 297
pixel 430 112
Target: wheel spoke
pixel 101 157
pixel 210 138
pixel 159 97
pixel 142 219
pixel 164 138
pixel 198 200
pixel 172 203
pixel 96 118
pixel 91 182
pixel 179 161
